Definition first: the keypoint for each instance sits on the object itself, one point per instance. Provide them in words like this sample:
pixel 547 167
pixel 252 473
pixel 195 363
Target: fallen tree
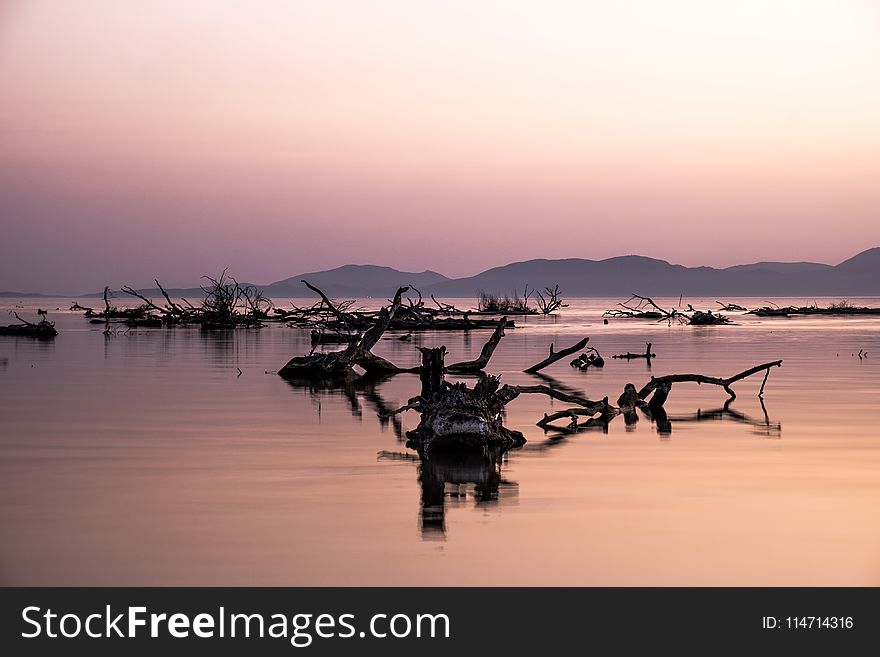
pixel 456 416
pixel 841 308
pixel 557 355
pixel 588 359
pixel 340 364
pixel 665 382
pixel 650 398
pixel 112 312
pixel 640 307
pixel 412 315
pixel 42 330
pixel 226 304
pixel 647 355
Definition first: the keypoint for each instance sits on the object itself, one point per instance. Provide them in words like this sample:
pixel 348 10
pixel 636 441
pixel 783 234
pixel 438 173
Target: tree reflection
pixel 451 478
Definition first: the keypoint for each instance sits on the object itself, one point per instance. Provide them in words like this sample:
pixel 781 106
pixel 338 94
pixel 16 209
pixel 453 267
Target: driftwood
pixel 111 312
pixel 588 359
pixel 558 355
pixel 453 415
pixel 226 304
pixel 42 330
pixel 640 307
pixel 472 418
pixel 647 355
pixel 707 318
pixel 655 383
pixel 843 308
pixel 341 317
pixel 457 417
pixel 480 363
pixel 339 364
pixel 632 400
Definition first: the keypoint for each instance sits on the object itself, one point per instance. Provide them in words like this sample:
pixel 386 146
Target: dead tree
pixel 42 330
pixel 588 359
pixel 630 355
pixel 707 318
pixel 340 364
pixel 458 417
pixel 479 364
pixel 633 399
pixel 555 356
pixel 226 304
pixel 493 304
pixel 112 312
pixel 552 302
pixel 639 307
pixel 663 381
pixel 171 313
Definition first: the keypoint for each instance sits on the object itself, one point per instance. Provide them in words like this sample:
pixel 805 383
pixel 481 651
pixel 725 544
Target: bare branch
pixel 553 357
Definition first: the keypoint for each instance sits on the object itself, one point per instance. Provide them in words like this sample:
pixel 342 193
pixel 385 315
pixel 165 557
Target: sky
pixel 174 138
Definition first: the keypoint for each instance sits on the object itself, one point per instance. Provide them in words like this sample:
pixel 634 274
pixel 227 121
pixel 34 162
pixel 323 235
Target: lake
pixel 178 457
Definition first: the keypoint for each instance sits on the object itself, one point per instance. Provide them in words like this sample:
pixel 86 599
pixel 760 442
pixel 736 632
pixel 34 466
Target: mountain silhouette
pixel 578 277
pixel 611 277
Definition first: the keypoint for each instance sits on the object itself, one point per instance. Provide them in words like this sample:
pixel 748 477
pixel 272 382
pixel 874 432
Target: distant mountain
pixel 354 281
pixel 867 262
pixel 22 295
pixel 612 277
pixel 623 275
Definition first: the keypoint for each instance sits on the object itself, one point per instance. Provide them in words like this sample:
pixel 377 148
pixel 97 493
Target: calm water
pixel 145 458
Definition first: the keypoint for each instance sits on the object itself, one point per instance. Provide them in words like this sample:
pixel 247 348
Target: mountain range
pixel 612 277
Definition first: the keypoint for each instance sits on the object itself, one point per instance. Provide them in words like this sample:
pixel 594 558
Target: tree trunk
pixel 431 373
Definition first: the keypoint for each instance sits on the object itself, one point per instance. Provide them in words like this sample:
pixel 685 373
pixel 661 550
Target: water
pixel 145 458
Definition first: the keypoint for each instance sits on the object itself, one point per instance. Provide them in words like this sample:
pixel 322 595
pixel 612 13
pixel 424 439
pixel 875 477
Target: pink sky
pixel 176 138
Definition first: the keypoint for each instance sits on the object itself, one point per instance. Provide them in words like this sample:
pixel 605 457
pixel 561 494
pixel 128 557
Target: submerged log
pixel 337 364
pixel 835 309
pixel 639 307
pixel 588 359
pixel 226 304
pixel 630 355
pixel 661 392
pixel 455 416
pixel 731 307
pixel 708 318
pixel 657 382
pixel 558 355
pixel 479 364
pixel 42 330
pixel 431 372
pixel 633 399
pixel 459 417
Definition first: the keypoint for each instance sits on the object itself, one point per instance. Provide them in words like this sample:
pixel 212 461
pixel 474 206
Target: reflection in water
pixel 443 474
pixel 445 477
pixel 763 427
pixel 354 389
pixel 151 462
pixel 663 422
